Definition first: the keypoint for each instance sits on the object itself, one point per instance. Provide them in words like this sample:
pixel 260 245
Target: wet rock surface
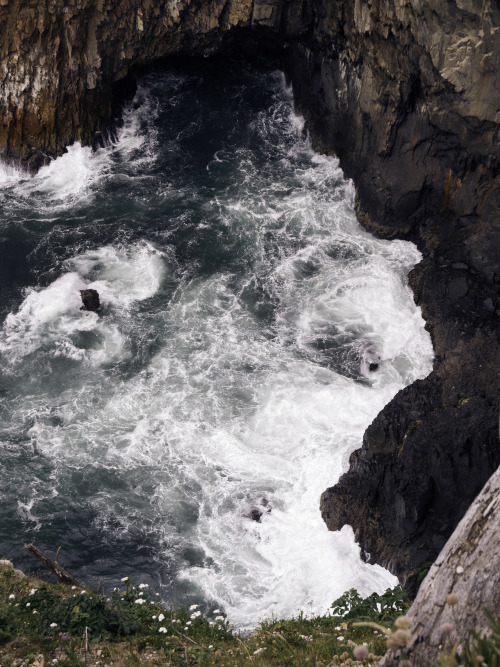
pixel 417 133
pixel 407 95
pixel 90 300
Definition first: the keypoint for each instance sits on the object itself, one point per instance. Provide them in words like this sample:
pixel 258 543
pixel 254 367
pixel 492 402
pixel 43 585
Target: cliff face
pixel 61 61
pixel 468 568
pixel 407 93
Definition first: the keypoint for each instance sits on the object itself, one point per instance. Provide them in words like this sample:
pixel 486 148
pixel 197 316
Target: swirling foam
pixel 203 396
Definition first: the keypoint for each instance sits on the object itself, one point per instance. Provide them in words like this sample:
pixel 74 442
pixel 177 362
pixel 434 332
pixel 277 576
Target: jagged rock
pixel 256 515
pixel 64 65
pixel 467 567
pixel 262 506
pixel 90 299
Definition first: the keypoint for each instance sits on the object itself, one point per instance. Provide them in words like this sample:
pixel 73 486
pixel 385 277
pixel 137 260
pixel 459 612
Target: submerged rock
pixel 255 515
pixel 90 299
pixel 262 507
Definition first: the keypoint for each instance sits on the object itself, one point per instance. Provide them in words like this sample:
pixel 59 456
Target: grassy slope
pixel 124 632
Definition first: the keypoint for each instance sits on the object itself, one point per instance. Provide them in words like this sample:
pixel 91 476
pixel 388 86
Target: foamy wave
pixel 71 175
pixel 53 316
pixel 122 275
pixel 243 384
pixel 9 175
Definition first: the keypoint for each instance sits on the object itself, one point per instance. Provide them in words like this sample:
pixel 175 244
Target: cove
pixel 227 375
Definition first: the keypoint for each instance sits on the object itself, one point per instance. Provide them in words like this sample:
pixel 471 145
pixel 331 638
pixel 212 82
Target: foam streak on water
pixel 227 375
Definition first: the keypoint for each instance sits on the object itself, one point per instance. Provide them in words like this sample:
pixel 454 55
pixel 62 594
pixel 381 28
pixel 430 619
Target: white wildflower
pixel 259 650
pixel 73 588
pixel 154 618
pixel 141 593
pixel 186 629
pixel 162 629
pixel 216 611
pixel 35 611
pixel 193 606
pixel 125 579
pixel 143 585
pixel 83 592
pixel 140 601
pixel 12 597
pixel 210 646
pixel 33 591
pixel 340 639
pixel 188 623
pixel 337 628
pixel 28 604
pixel 161 617
pixel 219 618
pixel 53 625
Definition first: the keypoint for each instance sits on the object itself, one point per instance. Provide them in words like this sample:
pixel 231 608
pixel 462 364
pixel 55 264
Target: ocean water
pixel 226 377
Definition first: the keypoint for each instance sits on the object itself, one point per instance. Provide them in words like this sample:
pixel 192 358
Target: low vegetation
pixel 44 624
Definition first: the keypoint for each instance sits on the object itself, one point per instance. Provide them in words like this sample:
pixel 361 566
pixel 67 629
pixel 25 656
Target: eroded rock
pixel 466 567
pixel 90 300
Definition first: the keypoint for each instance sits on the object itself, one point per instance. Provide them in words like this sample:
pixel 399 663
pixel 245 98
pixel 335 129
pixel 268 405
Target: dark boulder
pixel 90 300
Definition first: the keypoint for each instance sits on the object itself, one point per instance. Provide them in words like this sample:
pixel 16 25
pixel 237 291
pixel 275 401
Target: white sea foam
pixel 78 172
pixel 137 137
pixel 10 175
pixel 72 175
pixel 53 317
pixel 227 412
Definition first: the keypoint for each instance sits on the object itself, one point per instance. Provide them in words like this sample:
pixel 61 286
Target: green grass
pixel 121 631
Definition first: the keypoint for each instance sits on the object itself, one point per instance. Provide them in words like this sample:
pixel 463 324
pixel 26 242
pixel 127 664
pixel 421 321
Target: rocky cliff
pixel 406 92
pixel 64 63
pixel 467 567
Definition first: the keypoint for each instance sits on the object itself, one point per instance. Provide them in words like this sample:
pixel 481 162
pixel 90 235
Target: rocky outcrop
pixel 90 300
pixel 64 63
pixel 406 92
pixel 467 567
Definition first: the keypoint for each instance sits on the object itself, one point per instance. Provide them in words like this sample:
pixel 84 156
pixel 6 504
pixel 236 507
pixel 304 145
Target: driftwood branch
pixel 52 565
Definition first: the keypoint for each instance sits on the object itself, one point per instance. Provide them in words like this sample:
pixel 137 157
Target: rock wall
pixel 406 92
pixel 468 568
pixel 61 61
